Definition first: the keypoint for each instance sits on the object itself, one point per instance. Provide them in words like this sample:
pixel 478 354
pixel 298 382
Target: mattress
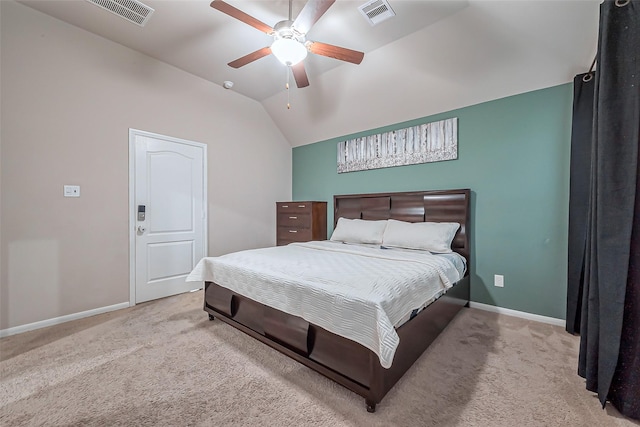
pixel 360 293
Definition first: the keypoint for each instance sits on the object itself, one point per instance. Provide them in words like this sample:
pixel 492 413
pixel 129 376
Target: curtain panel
pixel 603 298
pixel 579 189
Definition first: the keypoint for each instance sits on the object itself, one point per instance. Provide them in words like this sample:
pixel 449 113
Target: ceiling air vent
pixel 376 11
pixel 131 10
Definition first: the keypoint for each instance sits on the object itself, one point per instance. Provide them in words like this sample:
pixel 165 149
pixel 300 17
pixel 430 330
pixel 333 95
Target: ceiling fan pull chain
pixel 287 86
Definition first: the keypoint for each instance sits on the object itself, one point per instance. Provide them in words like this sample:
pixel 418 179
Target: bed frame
pixel 342 360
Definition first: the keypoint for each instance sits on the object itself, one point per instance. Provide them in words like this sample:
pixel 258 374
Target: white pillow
pixel 359 231
pixel 429 236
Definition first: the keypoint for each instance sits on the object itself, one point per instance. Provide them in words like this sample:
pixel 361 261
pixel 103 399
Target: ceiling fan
pixel 289 42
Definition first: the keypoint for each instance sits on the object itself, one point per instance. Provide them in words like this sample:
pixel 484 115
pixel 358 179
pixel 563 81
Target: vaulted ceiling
pixel 433 56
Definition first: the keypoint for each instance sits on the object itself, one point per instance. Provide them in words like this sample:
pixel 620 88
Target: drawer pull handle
pixel 285 206
pixel 293 217
pixel 293 231
pixel 302 206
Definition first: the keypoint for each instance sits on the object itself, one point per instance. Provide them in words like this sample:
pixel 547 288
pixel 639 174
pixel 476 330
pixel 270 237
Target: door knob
pixel 141 229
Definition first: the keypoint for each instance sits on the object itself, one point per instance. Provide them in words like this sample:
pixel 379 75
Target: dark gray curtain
pixel 609 319
pixel 580 177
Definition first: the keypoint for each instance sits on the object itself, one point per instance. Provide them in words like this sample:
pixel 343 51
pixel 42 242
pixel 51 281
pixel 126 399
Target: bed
pixel 367 366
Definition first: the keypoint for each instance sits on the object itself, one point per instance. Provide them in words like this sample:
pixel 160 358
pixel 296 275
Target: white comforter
pixel 359 293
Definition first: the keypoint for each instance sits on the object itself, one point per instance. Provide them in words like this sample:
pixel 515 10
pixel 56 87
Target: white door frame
pixel 132 202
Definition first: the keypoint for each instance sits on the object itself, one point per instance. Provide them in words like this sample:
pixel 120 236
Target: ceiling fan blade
pixel 310 13
pixel 250 57
pixel 300 75
pixel 241 16
pixel 336 52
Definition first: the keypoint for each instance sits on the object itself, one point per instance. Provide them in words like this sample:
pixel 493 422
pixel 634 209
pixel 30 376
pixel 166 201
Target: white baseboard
pixel 61 319
pixel 516 313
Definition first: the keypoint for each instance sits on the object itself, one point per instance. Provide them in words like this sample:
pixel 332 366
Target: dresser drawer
pixel 294 220
pixel 293 207
pixel 294 234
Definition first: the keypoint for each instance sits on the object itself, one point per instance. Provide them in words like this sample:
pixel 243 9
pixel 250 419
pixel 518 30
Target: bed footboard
pixel 342 360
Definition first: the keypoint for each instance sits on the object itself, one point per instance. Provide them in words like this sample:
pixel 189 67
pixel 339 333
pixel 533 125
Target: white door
pixel 168 213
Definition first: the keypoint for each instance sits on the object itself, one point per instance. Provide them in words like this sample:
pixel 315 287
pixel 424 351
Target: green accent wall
pixel 513 153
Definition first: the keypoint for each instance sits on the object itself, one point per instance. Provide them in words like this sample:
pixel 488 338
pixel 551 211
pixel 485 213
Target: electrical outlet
pixel 498 280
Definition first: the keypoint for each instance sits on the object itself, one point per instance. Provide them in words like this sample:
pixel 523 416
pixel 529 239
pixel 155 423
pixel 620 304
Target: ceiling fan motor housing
pixel 285 30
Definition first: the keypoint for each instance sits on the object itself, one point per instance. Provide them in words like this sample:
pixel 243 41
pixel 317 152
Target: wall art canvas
pixel 425 143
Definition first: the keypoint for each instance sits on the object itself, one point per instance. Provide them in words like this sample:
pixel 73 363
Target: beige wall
pixel 68 100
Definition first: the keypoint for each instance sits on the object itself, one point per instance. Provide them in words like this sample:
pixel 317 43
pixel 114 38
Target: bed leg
pixel 211 317
pixel 371 405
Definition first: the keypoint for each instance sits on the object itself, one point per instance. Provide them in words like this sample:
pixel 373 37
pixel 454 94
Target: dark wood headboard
pixel 414 206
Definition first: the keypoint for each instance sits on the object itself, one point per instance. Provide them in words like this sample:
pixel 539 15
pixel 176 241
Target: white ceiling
pixel 434 56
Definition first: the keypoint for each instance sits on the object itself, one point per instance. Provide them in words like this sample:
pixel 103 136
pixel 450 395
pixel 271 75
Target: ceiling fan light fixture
pixel 288 51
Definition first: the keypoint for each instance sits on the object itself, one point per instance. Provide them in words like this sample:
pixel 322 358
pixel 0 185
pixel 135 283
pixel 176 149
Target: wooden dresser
pixel 301 222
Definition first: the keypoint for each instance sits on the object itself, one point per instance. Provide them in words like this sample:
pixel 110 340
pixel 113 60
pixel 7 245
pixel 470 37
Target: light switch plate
pixel 71 191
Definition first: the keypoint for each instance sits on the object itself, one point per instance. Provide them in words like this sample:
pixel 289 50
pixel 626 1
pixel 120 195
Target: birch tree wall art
pixel 425 143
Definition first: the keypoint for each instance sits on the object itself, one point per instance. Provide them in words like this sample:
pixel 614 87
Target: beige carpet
pixel 164 363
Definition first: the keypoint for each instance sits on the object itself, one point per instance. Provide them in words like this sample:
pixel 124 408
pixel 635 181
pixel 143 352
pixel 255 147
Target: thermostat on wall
pixel 71 191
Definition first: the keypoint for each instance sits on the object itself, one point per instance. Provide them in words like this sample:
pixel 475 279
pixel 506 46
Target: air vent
pixel 131 10
pixel 376 11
